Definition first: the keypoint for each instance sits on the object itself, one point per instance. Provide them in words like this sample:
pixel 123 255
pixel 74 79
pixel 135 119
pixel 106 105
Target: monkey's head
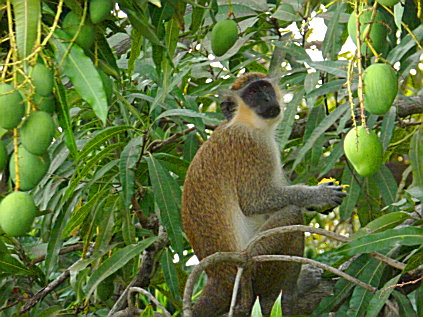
pixel 253 92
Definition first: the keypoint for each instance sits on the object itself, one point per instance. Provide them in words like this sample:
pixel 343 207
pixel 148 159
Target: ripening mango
pixel 364 151
pixel 380 88
pixel 12 108
pixel 37 132
pixel 42 79
pixel 86 34
pixel 17 212
pixel 223 36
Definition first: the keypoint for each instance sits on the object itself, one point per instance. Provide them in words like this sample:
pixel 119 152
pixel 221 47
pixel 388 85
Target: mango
pixel 42 79
pixel 47 104
pixel 223 36
pixel 363 150
pixel 388 3
pixel 32 168
pixel 380 88
pixel 12 108
pixel 86 35
pixel 3 156
pixel 377 36
pixel 37 132
pixel 17 212
pixel 100 10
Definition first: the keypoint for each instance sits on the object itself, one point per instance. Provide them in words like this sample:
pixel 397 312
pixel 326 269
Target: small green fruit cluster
pixel 223 36
pixel 380 88
pixel 364 150
pixel 377 27
pixel 17 212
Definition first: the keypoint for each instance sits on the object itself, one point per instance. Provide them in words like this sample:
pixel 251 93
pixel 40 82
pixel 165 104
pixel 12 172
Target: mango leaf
pixel 27 18
pixel 64 118
pixel 198 12
pixel 136 44
pixel 387 185
pixel 354 190
pixel 333 37
pixel 380 297
pixel 388 126
pixel 115 262
pixel 382 240
pixel 256 311
pixel 128 158
pixel 167 195
pixel 382 223
pixel 8 264
pixel 337 68
pixel 277 307
pixel 419 300
pixel 320 129
pixel 361 297
pixel 327 88
pixel 405 306
pixel 207 117
pixel 285 127
pixel 415 260
pixel 190 146
pixel 335 155
pixel 406 44
pixel 416 157
pixel 83 74
pixel 170 274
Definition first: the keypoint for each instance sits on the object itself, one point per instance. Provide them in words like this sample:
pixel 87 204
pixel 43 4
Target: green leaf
pixel 337 68
pixel 398 13
pixel 419 300
pixel 380 297
pixel 330 87
pixel 416 157
pixel 320 129
pixel 406 44
pixel 277 307
pixel 115 262
pixel 382 223
pixel 8 264
pixel 382 240
pixel 387 185
pixel 335 155
pixel 414 261
pixel 207 117
pixel 198 13
pixel 167 195
pixel 128 158
pixel 170 274
pixel 136 44
pixel 190 146
pixel 405 305
pixel 64 118
pixel 256 311
pixel 285 127
pixel 333 37
pixel 361 297
pixel 83 74
pixel 388 126
pixel 27 18
pixel 148 311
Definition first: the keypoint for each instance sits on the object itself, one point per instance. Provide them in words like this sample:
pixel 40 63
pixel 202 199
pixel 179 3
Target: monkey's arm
pixel 322 197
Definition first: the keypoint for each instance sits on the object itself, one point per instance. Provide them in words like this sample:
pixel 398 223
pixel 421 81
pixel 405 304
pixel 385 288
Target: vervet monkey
pixel 235 188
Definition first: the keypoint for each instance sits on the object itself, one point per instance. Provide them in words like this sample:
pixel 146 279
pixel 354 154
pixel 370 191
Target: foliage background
pixel 120 155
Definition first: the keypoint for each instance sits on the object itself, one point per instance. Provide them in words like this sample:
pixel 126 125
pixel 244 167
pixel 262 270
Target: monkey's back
pixel 228 172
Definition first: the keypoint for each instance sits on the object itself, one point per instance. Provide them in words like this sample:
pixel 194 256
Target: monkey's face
pixel 261 97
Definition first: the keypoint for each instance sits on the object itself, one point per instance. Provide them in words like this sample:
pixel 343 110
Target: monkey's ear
pixel 228 107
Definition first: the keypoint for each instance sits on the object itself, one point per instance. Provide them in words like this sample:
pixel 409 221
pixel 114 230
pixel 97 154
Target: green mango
pixel 42 79
pixel 37 132
pixel 17 212
pixel 12 108
pixel 223 36
pixel 363 150
pixel 32 168
pixel 47 104
pixel 378 31
pixel 86 35
pixel 380 88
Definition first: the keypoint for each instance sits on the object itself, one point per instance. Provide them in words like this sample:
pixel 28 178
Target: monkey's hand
pixel 326 197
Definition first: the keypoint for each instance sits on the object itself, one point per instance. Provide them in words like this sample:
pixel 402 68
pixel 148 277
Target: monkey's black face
pixel 260 96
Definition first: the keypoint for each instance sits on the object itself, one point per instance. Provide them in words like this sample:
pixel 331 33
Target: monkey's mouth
pixel 270 112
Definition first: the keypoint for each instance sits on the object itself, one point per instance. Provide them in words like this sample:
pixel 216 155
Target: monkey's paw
pixel 328 196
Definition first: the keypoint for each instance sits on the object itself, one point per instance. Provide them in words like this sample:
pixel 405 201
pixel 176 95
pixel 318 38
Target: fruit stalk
pixel 16 151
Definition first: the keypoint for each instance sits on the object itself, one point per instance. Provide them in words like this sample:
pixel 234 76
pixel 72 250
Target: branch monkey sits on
pixel 235 188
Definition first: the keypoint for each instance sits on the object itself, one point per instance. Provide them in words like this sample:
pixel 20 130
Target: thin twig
pixel 69 249
pixel 235 291
pixel 149 295
pixel 298 259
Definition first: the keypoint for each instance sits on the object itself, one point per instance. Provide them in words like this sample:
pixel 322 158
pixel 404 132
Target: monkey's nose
pixel 271 112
